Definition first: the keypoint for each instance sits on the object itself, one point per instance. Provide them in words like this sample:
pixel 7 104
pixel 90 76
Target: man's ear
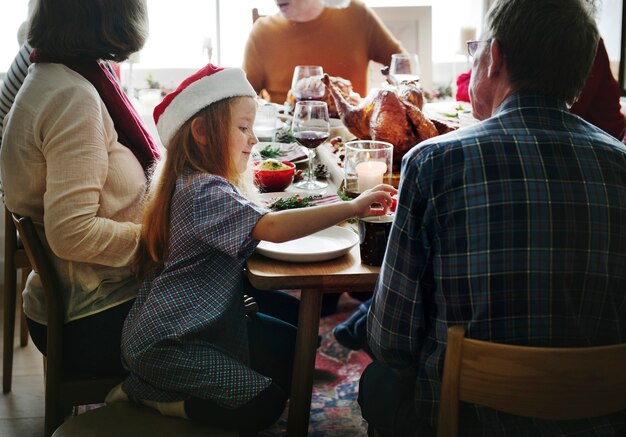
pixel 496 63
pixel 198 131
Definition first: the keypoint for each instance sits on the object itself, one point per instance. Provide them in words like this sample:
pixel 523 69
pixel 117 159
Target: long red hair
pixel 183 151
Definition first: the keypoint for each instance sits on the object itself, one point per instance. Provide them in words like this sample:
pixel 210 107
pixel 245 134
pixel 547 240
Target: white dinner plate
pixel 326 244
pixel 450 111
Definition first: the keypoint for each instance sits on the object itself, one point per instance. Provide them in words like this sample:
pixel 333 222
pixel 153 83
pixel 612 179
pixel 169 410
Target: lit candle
pixel 369 174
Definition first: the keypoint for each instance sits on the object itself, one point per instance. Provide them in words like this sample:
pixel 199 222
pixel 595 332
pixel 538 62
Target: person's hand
pixel 375 201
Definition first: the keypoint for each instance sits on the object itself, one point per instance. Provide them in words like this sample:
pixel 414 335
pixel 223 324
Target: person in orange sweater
pixel 307 32
pixel 598 102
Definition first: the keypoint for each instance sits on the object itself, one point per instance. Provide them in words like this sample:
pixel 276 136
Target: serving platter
pixel 324 245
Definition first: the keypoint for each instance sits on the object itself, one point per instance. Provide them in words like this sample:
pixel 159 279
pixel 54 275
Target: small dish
pixel 273 180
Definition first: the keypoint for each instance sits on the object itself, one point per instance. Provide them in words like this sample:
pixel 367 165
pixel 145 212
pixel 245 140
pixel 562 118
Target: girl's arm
pixel 281 226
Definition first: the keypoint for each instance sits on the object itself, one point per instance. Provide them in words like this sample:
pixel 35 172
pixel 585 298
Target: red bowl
pixel 273 180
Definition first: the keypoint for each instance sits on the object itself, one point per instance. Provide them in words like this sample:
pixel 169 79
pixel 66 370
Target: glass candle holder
pixel 366 164
pixel 265 122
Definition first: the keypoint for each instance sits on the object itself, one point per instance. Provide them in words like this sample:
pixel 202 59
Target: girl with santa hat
pixel 189 346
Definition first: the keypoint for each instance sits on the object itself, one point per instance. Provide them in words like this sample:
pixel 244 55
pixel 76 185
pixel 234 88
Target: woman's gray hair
pixel 548 45
pixel 89 29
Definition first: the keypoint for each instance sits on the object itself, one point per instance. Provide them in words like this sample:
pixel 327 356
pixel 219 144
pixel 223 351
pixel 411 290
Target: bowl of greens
pixel 271 175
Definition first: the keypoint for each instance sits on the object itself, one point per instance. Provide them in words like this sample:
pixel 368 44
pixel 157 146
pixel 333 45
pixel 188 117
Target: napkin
pixel 293 152
pixel 332 198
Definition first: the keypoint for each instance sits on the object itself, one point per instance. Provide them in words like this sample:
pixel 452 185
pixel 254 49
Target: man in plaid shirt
pixel 514 228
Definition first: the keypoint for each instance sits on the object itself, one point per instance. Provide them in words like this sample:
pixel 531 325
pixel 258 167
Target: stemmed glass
pixel 310 127
pixel 404 67
pixel 307 83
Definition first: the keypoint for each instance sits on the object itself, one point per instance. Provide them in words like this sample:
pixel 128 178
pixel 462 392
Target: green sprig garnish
pixel 284 135
pixel 295 201
pixel 270 152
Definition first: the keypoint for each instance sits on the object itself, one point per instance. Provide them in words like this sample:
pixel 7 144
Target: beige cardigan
pixel 61 165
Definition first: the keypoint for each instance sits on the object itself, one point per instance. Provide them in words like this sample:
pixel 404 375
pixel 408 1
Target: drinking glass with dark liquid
pixel 307 83
pixel 310 127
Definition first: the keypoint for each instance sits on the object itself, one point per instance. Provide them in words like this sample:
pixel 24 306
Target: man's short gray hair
pixel 549 45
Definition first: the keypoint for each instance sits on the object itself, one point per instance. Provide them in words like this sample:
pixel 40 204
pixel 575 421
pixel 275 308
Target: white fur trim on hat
pixel 229 82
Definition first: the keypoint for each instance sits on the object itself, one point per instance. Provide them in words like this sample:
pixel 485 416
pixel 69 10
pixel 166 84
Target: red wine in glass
pixel 311 139
pixel 310 127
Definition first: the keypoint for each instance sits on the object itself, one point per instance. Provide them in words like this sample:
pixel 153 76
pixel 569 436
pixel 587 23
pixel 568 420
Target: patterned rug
pixel 334 409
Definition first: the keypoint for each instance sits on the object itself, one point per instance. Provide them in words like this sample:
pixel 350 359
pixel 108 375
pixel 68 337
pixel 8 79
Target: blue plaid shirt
pixel 185 335
pixel 515 229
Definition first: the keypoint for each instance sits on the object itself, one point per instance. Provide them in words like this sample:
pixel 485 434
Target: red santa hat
pixel 206 86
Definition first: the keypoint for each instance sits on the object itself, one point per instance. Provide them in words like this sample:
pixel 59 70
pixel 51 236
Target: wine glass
pixel 404 67
pixel 307 83
pixel 310 127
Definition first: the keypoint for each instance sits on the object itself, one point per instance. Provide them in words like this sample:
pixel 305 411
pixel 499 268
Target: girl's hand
pixel 375 201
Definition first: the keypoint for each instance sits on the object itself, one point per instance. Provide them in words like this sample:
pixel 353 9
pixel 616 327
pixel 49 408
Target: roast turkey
pixel 393 115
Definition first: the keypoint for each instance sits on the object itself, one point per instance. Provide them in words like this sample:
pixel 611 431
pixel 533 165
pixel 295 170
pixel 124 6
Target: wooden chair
pixel 126 419
pixel 62 389
pixel 15 258
pixel 256 15
pixel 544 383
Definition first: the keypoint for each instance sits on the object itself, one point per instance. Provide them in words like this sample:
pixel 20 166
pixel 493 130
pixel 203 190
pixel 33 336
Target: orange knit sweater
pixel 342 41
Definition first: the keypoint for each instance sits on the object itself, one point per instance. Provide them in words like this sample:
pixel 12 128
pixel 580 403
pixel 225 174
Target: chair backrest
pixel 412 26
pixel 14 258
pixel 543 383
pixel 62 390
pixel 256 15
pixel 42 264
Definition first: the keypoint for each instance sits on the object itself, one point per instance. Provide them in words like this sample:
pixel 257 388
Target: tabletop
pixel 333 275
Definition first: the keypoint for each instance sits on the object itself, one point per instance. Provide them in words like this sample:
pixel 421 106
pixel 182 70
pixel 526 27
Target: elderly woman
pixel 75 158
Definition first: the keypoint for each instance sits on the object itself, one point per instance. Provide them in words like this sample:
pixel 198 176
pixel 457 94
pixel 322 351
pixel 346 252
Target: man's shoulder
pixel 268 23
pixel 357 5
pixel 452 140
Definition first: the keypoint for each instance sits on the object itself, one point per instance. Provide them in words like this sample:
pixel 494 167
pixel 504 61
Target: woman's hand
pixel 375 201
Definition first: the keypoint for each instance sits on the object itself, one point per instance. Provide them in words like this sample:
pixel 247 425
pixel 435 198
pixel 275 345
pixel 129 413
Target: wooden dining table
pixel 345 273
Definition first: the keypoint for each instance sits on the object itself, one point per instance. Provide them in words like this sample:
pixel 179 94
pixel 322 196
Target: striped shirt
pixel 515 229
pixel 185 335
pixel 13 81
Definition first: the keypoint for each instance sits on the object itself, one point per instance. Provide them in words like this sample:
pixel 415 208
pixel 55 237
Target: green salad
pixel 272 164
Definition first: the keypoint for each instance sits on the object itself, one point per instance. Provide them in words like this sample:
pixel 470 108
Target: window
pixel 185 34
pixel 12 15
